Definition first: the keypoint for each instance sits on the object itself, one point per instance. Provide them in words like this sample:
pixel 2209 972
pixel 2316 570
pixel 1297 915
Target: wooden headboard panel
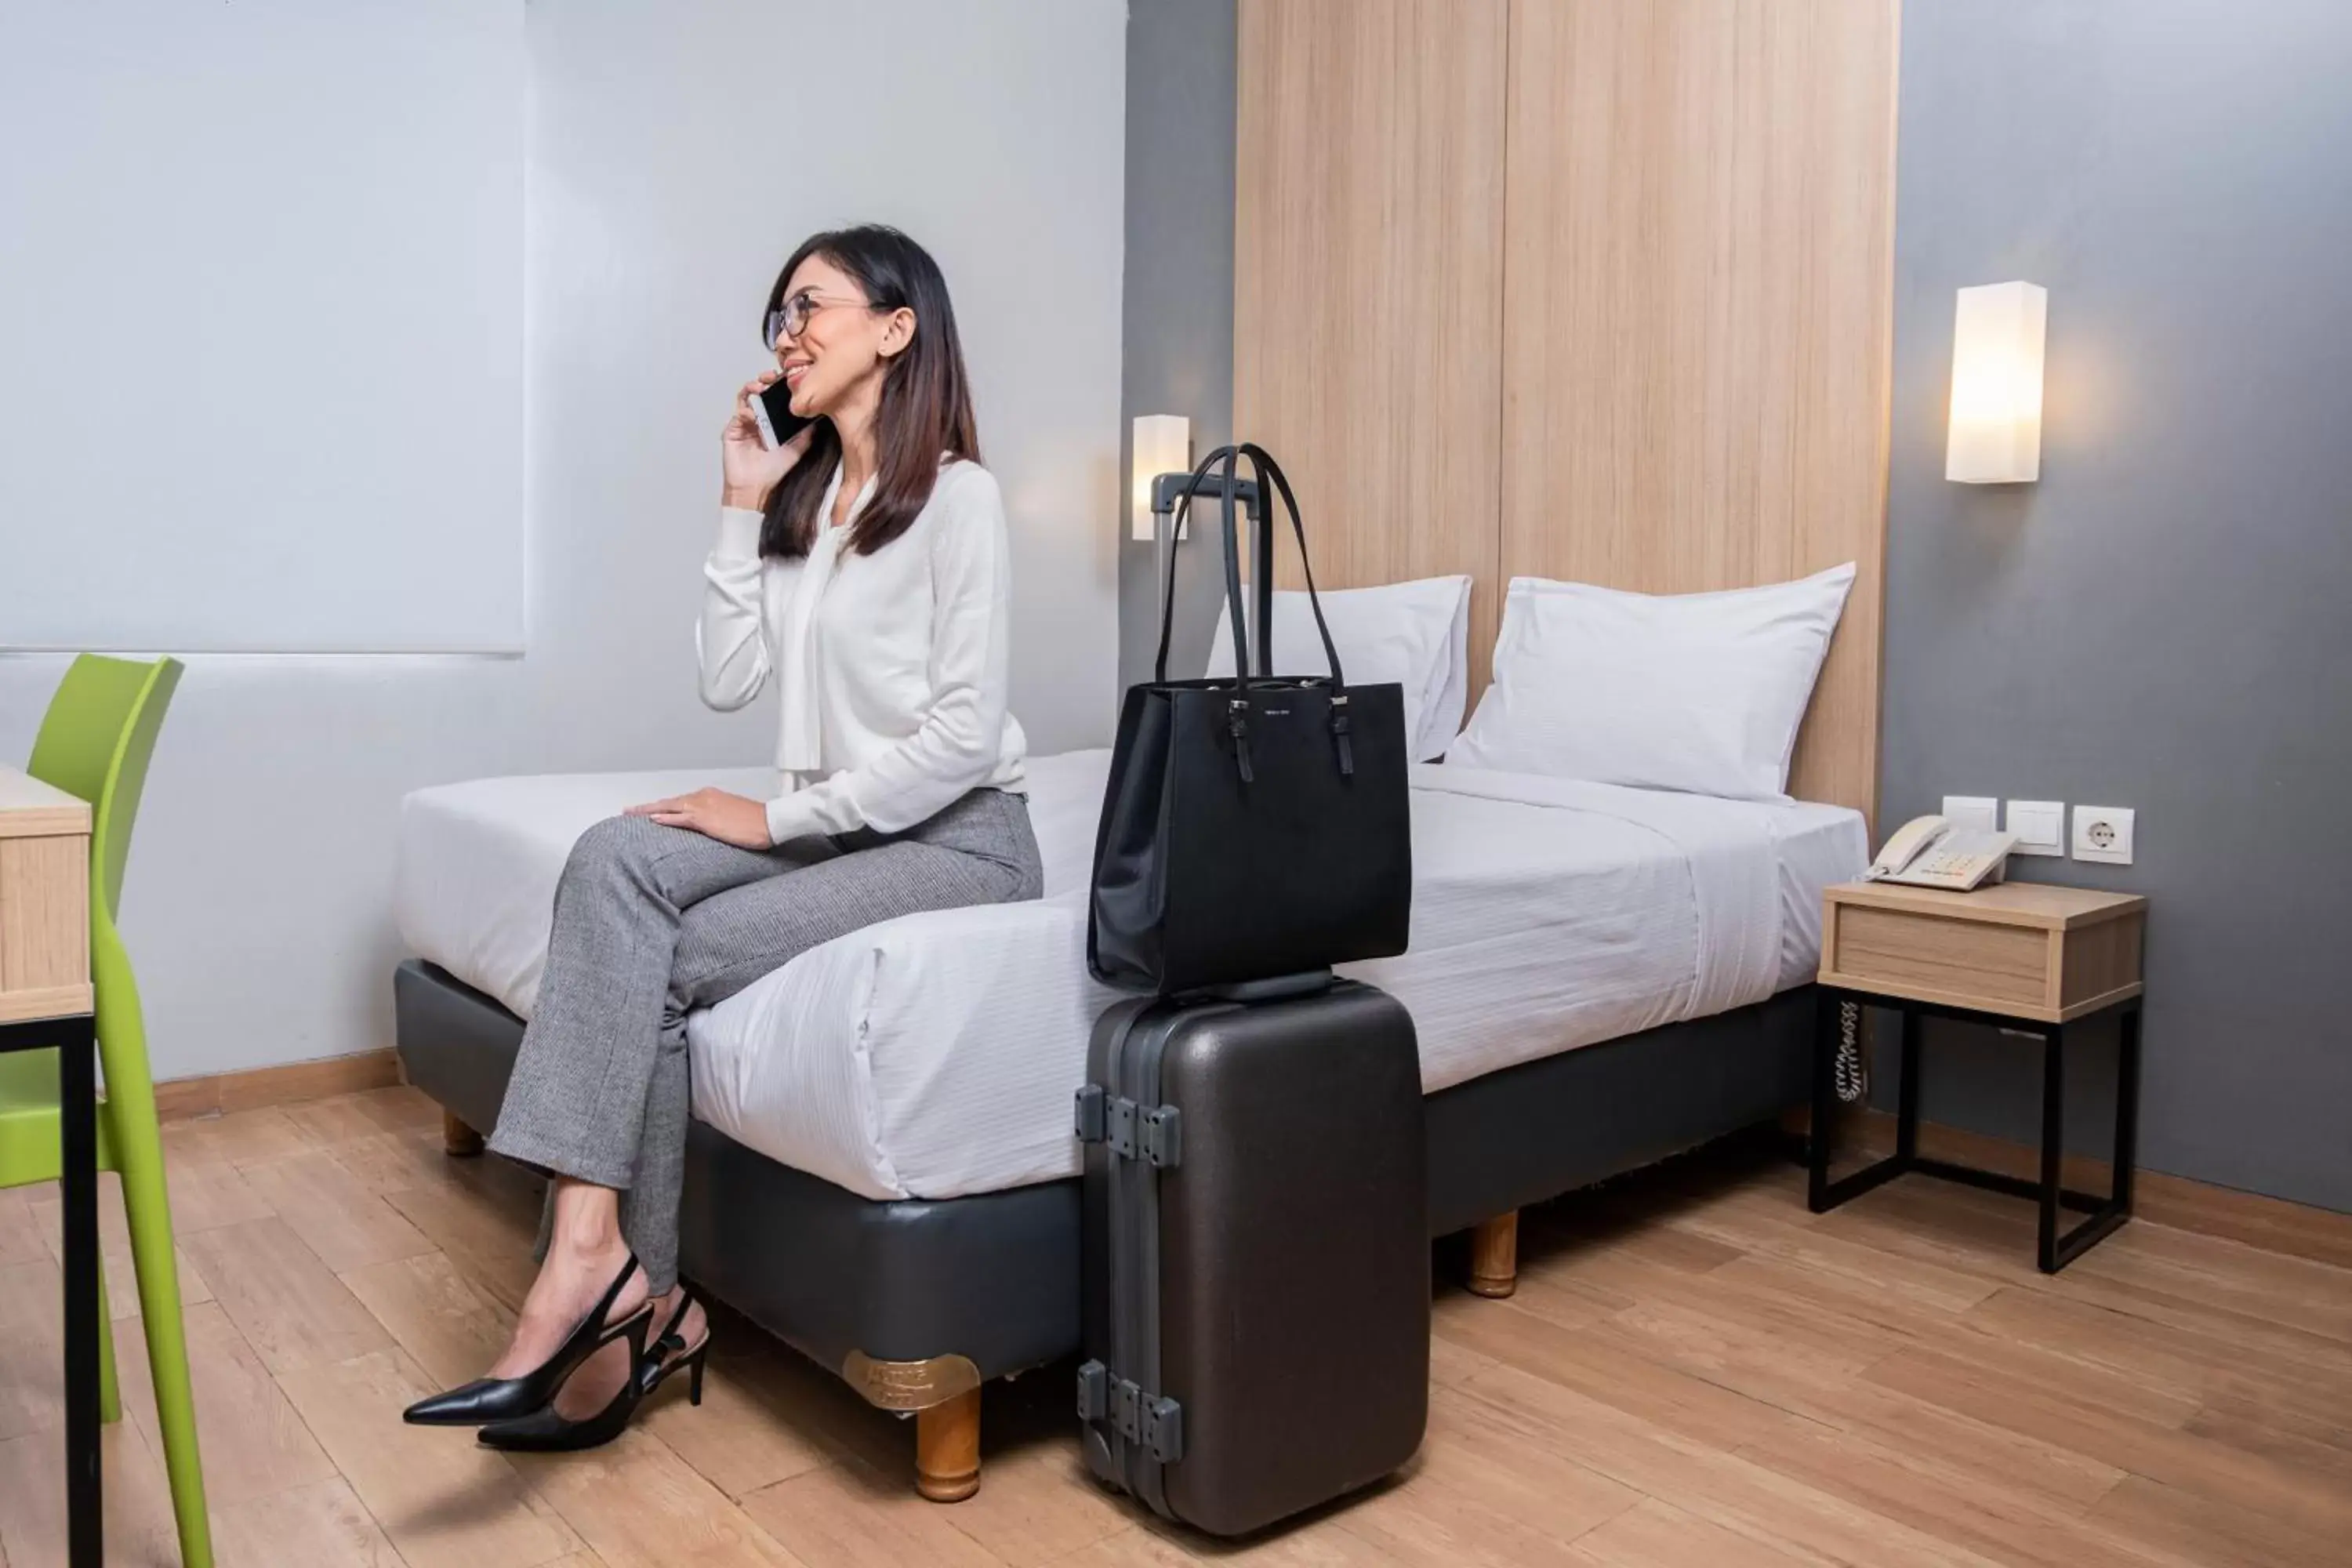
pixel 1578 289
pixel 1368 296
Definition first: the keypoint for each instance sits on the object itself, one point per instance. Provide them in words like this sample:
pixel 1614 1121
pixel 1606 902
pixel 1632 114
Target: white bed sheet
pixel 935 1055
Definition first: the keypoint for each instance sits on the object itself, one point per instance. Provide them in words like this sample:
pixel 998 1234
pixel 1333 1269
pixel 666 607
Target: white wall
pixel 667 180
pixel 244 283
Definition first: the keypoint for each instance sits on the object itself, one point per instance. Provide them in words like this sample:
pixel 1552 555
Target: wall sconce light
pixel 1163 445
pixel 1996 334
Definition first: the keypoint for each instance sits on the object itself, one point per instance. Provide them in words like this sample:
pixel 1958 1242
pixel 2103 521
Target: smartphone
pixel 774 409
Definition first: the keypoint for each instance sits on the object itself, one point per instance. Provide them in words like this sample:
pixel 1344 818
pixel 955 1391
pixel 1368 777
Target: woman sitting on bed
pixel 861 571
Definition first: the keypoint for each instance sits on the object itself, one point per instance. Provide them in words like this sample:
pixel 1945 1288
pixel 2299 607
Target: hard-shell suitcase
pixel 1257 1262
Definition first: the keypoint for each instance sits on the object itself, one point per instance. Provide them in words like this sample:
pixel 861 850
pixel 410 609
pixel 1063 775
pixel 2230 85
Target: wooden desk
pixel 2025 957
pixel 46 1004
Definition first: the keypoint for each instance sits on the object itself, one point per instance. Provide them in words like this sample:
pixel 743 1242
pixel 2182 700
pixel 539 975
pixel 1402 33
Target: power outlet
pixel 2104 833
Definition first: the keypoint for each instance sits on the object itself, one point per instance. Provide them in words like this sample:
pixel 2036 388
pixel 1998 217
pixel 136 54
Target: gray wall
pixel 2165 620
pixel 1179 290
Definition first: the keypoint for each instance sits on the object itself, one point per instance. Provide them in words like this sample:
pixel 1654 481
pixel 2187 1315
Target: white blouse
pixel 891 667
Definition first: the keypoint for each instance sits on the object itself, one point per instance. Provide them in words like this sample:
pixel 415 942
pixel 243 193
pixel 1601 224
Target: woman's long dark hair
pixel 926 408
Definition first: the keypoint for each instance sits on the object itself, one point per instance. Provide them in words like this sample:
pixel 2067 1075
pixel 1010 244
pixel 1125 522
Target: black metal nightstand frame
pixel 2054 1251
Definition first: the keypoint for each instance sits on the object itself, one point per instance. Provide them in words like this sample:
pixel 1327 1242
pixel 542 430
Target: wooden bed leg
pixel 947 1448
pixel 1495 1256
pixel 459 1140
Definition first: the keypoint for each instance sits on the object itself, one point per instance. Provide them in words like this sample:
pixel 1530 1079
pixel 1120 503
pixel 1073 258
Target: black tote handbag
pixel 1257 827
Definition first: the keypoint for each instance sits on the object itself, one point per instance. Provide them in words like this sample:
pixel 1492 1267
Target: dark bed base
pixel 917 1302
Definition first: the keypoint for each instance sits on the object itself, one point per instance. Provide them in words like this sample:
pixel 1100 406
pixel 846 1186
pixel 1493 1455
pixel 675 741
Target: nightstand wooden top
pixel 2022 950
pixel 2041 905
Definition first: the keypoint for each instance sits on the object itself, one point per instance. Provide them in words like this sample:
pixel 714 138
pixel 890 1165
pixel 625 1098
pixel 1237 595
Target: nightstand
pixel 2020 956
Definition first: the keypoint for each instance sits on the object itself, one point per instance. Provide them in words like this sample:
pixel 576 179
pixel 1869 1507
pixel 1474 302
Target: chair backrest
pixel 95 741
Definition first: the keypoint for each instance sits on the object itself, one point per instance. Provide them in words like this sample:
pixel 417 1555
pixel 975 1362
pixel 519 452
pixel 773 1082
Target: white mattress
pixel 935 1055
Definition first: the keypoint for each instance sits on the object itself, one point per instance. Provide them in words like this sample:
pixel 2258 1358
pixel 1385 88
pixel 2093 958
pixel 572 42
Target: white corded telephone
pixel 1929 852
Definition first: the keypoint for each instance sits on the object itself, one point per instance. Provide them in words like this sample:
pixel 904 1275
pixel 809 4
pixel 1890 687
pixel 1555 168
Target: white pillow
pixel 1416 633
pixel 1701 692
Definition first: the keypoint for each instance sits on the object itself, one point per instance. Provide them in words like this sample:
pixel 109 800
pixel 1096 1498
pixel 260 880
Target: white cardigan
pixel 891 665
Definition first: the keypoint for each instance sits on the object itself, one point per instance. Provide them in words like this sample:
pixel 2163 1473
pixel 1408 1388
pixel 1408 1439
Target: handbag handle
pixel 1229 531
pixel 1264 466
pixel 1237 716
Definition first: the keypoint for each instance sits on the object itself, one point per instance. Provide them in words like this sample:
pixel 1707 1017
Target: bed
pixel 1600 976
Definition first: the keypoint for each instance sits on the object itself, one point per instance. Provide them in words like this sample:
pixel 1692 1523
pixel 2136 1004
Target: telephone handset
pixel 1929 852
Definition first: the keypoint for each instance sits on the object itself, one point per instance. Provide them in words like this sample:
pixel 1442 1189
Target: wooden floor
pixel 1695 1371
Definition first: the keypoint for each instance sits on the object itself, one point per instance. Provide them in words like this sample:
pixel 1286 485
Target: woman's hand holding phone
pixel 749 470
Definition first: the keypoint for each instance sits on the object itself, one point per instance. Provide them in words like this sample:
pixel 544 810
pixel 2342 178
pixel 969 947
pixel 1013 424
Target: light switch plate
pixel 1973 812
pixel 2104 833
pixel 2040 826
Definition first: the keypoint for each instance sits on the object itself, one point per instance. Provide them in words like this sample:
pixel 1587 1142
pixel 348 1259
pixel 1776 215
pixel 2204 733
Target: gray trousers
pixel 652 923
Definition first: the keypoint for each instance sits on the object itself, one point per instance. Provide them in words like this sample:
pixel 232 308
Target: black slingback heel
pixel 543 1431
pixel 490 1399
pixel 656 1368
pixel 546 1432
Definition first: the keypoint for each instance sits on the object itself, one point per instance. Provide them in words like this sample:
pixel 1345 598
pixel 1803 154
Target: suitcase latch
pixel 1154 1424
pixel 1163 1430
pixel 1088 1115
pixel 1160 1133
pixel 1154 1133
pixel 1127 1409
pixel 1094 1392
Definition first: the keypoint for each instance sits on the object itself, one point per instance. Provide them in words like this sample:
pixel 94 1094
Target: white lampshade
pixel 1163 445
pixel 1997 335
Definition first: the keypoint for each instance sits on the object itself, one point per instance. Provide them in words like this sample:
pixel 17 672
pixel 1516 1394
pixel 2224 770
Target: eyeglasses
pixel 793 319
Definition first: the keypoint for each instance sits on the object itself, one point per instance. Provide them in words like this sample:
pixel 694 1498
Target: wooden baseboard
pixel 183 1099
pixel 2275 1225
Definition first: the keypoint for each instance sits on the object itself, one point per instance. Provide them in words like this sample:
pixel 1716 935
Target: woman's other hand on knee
pixel 729 818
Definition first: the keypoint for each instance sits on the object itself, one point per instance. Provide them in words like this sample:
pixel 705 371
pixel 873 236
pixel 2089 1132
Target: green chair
pixel 95 742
